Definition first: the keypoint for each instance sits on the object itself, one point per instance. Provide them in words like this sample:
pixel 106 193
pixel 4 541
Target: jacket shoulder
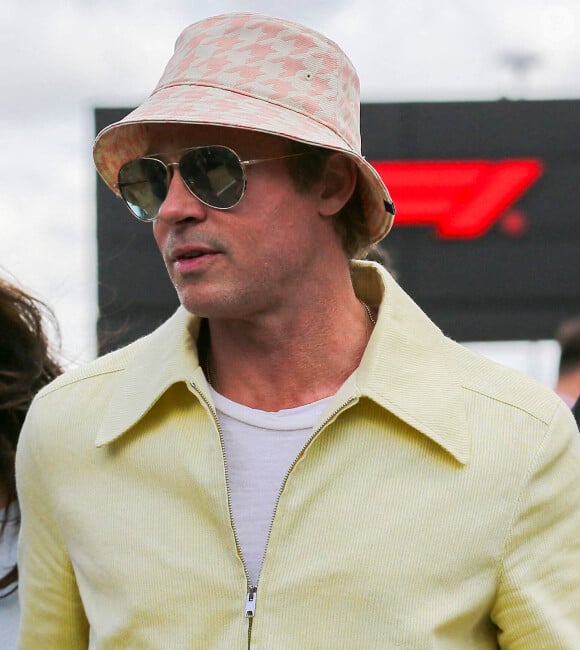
pixel 109 364
pixel 502 384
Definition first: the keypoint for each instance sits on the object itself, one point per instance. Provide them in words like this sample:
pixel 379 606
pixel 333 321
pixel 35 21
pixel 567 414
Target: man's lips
pixel 192 257
pixel 191 251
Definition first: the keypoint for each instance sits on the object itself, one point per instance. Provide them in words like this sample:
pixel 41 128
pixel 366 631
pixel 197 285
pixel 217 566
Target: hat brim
pixel 192 104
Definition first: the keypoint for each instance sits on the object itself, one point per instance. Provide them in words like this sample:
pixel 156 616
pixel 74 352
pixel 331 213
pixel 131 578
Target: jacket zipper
pixel 252 590
pixel 287 475
pixel 250 601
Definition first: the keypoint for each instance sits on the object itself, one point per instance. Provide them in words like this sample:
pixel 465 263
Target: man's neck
pixel 278 362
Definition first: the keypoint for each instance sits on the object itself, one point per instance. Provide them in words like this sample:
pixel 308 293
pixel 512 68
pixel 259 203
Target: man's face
pixel 252 258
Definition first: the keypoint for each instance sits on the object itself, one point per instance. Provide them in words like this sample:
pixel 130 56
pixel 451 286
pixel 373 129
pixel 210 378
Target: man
pixel 576 412
pixel 298 458
pixel 568 337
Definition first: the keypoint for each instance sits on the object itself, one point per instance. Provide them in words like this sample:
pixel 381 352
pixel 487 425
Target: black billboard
pixel 487 236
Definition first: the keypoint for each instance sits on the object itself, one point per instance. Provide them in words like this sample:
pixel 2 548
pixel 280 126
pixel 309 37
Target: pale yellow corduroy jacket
pixel 436 507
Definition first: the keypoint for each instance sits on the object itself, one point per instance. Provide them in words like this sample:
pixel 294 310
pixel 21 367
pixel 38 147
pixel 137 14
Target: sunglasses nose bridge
pixel 175 206
pixel 189 182
pixel 170 170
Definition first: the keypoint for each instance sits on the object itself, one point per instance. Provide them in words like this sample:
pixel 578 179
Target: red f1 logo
pixel 460 198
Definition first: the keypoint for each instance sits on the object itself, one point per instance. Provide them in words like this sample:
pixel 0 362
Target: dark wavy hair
pixel 27 363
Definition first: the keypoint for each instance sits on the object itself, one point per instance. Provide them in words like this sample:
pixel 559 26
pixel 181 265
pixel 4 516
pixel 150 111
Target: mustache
pixel 175 241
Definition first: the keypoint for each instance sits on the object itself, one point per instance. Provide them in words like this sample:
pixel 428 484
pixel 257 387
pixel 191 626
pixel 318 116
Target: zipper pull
pixel 251 602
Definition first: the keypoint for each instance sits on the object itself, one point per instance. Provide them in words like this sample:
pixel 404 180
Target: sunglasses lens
pixel 143 186
pixel 214 174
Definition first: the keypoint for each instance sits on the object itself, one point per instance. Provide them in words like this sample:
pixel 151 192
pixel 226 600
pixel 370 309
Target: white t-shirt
pixel 260 448
pixel 9 608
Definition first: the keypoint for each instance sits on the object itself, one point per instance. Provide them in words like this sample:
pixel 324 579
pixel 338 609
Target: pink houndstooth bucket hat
pixel 251 71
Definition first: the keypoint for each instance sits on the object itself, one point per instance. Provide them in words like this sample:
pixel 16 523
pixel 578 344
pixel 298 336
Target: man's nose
pixel 180 204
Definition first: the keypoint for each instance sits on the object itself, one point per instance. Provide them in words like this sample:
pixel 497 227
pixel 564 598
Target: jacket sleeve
pixel 538 601
pixel 53 617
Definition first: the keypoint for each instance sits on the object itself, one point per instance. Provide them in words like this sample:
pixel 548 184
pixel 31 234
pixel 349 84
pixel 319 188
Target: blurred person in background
pixel 26 365
pixel 298 458
pixel 568 383
pixel 576 411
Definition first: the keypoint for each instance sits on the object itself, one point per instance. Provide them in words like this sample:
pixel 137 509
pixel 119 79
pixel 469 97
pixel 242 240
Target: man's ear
pixel 338 182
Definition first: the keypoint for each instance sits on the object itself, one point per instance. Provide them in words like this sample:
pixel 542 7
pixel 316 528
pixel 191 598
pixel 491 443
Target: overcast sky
pixel 61 58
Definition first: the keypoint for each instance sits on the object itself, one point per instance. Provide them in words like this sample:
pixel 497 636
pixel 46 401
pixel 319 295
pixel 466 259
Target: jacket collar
pixel 165 357
pixel 404 368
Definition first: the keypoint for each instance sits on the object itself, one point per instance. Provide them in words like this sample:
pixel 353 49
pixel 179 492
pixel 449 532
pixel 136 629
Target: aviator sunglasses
pixel 213 174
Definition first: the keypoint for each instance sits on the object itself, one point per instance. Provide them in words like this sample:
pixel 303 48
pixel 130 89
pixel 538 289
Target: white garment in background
pixel 9 607
pixel 260 448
